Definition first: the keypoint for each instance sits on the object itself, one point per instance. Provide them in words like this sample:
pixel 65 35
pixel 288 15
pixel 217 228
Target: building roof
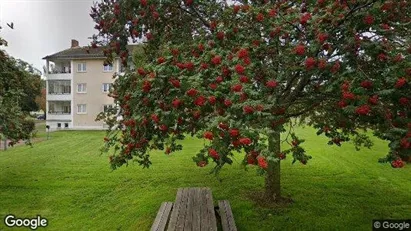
pixel 82 53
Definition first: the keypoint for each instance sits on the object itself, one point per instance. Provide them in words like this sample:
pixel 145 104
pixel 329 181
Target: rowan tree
pixel 237 73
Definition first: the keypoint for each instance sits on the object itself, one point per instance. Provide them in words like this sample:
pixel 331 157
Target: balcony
pixel 59 110
pixel 59 90
pixel 58 70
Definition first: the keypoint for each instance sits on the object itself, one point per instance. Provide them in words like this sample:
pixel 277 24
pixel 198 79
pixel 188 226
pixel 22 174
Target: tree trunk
pixel 272 180
pixel 5 144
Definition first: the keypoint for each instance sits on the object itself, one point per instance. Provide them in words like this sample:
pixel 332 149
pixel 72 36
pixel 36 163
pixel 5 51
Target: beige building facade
pixel 78 84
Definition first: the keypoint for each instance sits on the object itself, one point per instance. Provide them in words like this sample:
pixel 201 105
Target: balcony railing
pixel 59 93
pixel 60 72
pixel 59 113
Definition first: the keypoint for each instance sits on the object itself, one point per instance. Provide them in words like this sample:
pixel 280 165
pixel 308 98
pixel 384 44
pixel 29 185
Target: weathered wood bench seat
pixel 193 210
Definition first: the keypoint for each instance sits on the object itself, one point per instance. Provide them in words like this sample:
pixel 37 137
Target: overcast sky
pixel 44 27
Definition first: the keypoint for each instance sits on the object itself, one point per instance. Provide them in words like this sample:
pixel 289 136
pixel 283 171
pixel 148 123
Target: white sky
pixel 43 27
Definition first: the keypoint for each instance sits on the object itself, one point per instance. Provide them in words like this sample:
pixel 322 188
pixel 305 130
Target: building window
pixel 81 67
pixel 108 68
pixel 66 125
pixel 106 87
pixel 81 88
pixel 59 125
pixel 81 109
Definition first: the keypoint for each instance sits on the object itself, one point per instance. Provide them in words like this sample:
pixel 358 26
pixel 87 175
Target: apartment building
pixel 78 83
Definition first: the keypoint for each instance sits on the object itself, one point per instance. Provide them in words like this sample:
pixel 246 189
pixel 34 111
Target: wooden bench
pixel 193 210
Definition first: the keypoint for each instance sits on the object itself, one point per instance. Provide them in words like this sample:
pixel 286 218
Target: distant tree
pixel 237 73
pixel 31 85
pixel 41 100
pixel 19 85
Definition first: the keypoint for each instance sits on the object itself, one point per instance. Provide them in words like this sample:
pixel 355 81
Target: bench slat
pixel 227 218
pixel 210 221
pixel 196 209
pixel 189 214
pixel 182 214
pixel 176 210
pixel 163 214
pixel 203 211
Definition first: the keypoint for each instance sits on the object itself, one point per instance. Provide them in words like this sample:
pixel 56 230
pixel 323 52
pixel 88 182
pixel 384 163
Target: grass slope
pixel 67 181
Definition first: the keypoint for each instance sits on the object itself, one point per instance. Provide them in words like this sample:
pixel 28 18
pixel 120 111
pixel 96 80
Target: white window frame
pixel 81 108
pixel 83 89
pixel 104 89
pixel 108 68
pixel 81 67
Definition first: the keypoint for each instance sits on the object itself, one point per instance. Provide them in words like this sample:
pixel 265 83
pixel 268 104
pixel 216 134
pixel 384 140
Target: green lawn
pixel 66 180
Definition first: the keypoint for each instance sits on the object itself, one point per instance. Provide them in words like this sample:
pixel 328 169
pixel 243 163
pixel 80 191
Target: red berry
pixel 295 142
pixel 216 60
pixel 271 84
pixel 239 69
pixel 251 160
pixel 404 101
pixel 208 135
pixel 192 92
pixel 400 82
pixel 237 88
pixel 244 79
pixel 234 132
pixel 141 71
pixel 366 84
pixel 299 49
pixel 175 83
pixel 223 126
pixel 213 153
pixel 163 127
pixel 373 100
pixel 348 96
pixel 369 19
pixel 322 37
pixel 176 103
pixel 310 63
pixel 304 18
pixel 262 162
pixel 281 156
pixel 260 17
pixel 227 102
pixel 200 101
pixel 245 141
pixel 219 79
pixel 363 110
pixel 220 35
pixel 202 163
pixel 213 86
pixel 212 100
pixel 248 109
pixel 242 53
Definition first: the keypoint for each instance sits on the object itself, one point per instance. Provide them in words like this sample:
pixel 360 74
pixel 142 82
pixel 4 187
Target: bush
pixel 28 126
